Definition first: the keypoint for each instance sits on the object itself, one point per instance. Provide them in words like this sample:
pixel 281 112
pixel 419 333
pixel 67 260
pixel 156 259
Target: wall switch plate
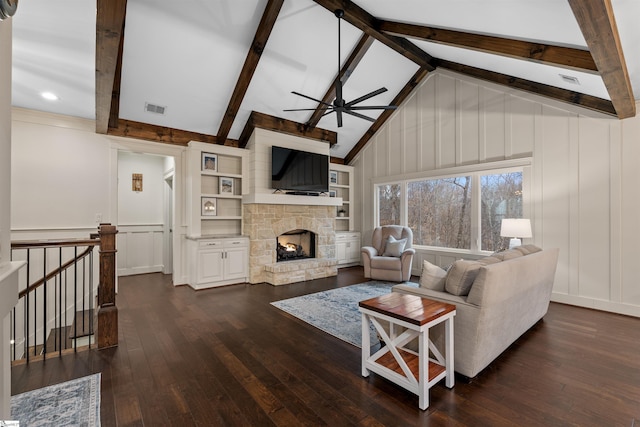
pixel 98 218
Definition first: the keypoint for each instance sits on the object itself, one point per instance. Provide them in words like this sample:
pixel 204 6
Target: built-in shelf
pixel 341 187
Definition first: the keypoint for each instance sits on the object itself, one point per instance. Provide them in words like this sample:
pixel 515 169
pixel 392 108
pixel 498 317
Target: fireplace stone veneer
pixel 263 222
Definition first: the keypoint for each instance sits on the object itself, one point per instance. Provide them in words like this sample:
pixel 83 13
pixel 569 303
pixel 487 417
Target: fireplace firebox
pixel 296 244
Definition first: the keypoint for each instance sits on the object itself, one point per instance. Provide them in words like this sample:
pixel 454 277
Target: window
pixel 458 211
pixel 439 212
pixel 500 197
pixel 389 204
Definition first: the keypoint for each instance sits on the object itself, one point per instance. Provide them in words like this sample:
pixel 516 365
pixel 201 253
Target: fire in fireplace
pixel 296 244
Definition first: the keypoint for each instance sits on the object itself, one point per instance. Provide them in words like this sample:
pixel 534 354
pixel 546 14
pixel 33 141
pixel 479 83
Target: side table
pixel 414 371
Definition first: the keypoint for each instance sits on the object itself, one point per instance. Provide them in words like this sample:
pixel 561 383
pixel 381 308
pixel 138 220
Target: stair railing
pixel 56 311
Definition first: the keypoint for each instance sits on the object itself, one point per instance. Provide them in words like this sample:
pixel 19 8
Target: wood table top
pixel 409 308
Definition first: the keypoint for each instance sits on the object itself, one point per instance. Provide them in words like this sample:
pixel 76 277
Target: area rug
pixel 336 311
pixel 72 403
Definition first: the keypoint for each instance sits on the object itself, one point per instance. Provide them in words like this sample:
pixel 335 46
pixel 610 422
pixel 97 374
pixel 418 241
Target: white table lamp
pixel 516 228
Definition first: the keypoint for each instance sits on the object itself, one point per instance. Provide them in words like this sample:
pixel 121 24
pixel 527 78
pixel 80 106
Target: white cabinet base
pixel 348 247
pixel 218 261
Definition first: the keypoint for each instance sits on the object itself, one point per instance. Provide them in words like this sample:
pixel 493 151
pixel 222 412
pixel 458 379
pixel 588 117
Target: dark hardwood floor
pixel 225 356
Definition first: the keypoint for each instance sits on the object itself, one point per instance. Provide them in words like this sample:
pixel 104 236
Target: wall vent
pixel 152 108
pixel 570 79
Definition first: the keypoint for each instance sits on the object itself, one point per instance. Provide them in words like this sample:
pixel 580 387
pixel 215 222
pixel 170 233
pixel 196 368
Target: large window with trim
pixel 461 211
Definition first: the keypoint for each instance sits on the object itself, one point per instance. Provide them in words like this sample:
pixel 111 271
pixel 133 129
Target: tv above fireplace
pixel 299 172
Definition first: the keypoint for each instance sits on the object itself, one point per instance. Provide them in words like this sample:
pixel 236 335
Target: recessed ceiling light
pixel 50 96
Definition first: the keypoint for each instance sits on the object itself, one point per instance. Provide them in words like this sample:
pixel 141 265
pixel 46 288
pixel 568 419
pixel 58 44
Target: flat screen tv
pixel 299 171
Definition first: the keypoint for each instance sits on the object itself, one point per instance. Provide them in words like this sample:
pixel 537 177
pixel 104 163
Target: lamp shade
pixel 516 227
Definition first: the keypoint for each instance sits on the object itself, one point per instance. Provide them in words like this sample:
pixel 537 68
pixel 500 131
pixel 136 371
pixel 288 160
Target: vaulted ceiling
pixel 219 68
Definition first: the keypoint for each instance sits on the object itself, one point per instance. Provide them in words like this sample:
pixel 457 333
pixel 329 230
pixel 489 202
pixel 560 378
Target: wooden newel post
pixel 107 310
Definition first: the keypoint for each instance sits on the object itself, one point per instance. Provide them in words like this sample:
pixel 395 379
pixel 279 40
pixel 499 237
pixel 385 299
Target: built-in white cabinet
pixel 341 185
pixel 218 261
pixel 348 247
pixel 216 182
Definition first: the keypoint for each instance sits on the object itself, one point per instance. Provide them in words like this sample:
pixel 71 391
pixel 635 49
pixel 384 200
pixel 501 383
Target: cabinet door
pixel 235 263
pixel 341 252
pixel 353 251
pixel 210 265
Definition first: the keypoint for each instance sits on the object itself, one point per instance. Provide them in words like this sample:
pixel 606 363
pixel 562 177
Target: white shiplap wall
pixel 585 181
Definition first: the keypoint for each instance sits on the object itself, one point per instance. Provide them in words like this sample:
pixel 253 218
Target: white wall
pixel 7 293
pixel 584 179
pixel 140 214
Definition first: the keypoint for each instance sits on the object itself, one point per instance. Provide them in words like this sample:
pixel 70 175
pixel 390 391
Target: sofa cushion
pixel 433 277
pixel 394 247
pixel 489 260
pixel 528 249
pixel 511 254
pixel 461 276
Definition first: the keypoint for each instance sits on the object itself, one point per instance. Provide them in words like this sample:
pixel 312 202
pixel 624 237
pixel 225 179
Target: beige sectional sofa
pixel 497 299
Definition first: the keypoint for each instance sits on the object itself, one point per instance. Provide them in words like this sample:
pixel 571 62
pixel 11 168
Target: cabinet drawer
pixel 210 244
pixel 236 243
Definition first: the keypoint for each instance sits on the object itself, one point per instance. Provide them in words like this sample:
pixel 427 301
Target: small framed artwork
pixel 136 182
pixel 332 193
pixel 333 177
pixel 226 185
pixel 209 162
pixel 209 206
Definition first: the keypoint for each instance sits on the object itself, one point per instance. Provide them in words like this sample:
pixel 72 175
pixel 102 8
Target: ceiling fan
pixel 339 105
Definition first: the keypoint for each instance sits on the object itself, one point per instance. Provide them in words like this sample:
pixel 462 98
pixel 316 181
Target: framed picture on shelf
pixel 209 206
pixel 333 177
pixel 209 162
pixel 226 185
pixel 332 193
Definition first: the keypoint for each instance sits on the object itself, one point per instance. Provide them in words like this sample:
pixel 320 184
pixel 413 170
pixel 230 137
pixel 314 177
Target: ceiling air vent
pixel 570 79
pixel 152 108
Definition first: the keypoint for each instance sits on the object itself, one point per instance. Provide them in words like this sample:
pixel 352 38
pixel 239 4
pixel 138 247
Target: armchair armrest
pixel 369 251
pixel 408 253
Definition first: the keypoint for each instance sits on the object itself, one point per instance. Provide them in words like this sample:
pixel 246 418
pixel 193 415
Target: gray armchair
pixel 389 259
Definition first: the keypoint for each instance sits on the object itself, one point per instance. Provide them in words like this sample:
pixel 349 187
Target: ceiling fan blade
pixel 373 107
pixel 362 116
pixel 313 99
pixel 308 109
pixel 367 96
pixel 339 117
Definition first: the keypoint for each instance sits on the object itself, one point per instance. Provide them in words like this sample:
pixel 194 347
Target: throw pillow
pixel 461 277
pixel 433 277
pixel 394 247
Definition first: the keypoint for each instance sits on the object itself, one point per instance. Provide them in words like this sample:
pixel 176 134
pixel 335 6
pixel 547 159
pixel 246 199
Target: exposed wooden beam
pixel 598 25
pixel 575 98
pixel 382 119
pixel 336 160
pixel 110 17
pixel 166 135
pixel 352 62
pixel 250 64
pixel 363 20
pixel 265 121
pixel 577 59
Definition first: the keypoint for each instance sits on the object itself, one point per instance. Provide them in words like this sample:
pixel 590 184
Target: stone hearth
pixel 263 222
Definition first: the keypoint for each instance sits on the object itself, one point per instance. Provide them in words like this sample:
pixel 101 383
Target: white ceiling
pixel 187 55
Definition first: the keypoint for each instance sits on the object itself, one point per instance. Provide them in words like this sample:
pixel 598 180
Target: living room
pixel 578 179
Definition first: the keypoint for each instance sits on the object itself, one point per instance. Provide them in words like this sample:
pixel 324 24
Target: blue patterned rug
pixel 336 311
pixel 72 403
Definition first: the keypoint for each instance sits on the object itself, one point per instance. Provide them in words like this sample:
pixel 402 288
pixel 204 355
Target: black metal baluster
pixel 28 305
pixel 75 298
pixel 92 304
pixel 44 329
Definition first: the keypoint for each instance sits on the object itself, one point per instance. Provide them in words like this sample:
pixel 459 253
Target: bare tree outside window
pixel 501 197
pixel 439 212
pixel 389 204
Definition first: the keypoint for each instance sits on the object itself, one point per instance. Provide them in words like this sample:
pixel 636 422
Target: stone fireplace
pixel 263 223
